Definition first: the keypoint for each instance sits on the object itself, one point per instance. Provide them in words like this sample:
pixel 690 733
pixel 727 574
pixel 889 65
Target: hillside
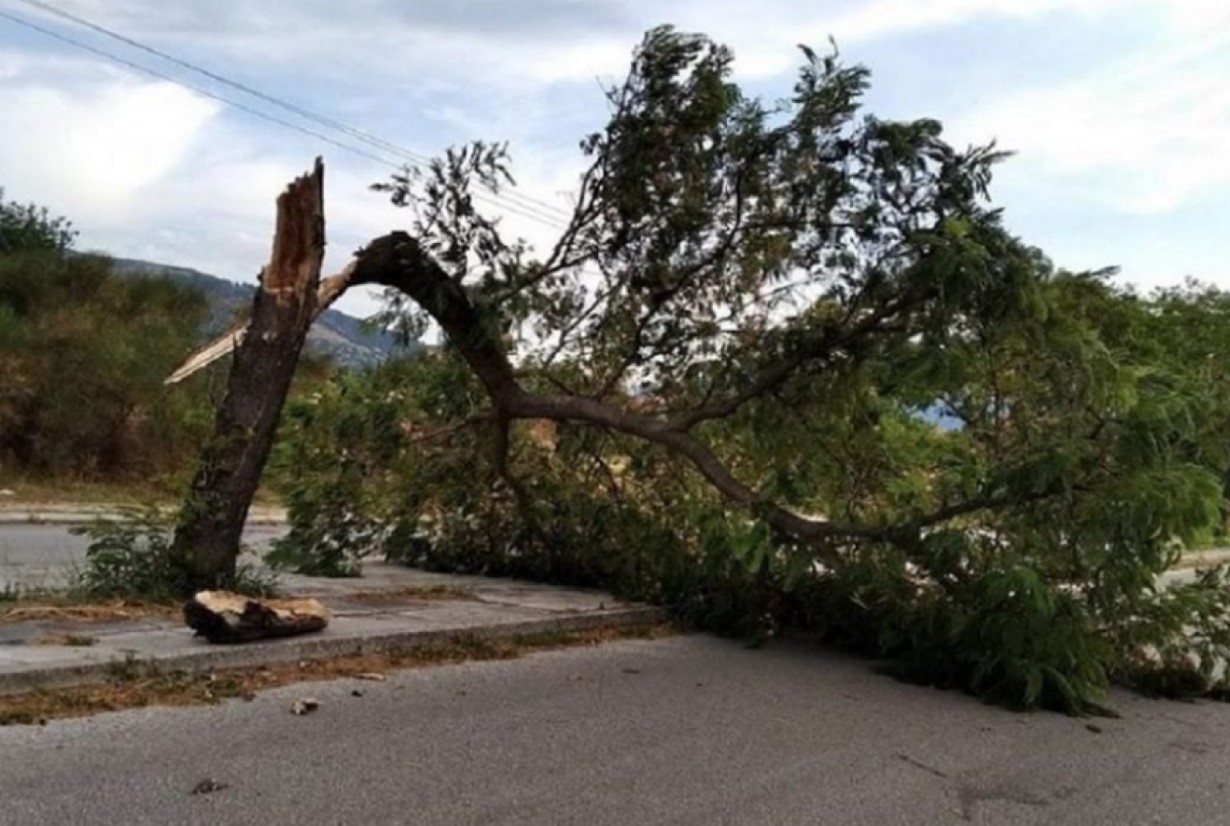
pixel 343 337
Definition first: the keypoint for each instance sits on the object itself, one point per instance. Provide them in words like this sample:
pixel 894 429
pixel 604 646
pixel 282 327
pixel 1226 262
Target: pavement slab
pixel 383 610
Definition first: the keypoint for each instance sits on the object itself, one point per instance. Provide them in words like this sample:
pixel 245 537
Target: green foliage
pixel 1176 640
pixel 336 445
pixel 1185 332
pixel 27 227
pixel 84 354
pixel 1044 613
pixel 130 557
pixel 1006 636
pixel 776 291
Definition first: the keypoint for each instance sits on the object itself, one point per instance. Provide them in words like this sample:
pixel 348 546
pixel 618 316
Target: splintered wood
pixel 224 617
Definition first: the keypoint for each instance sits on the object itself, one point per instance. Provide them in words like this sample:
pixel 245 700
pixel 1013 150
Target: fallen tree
pixel 776 298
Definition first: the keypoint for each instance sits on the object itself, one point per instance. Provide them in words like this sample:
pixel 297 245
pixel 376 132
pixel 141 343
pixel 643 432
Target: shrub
pixel 130 558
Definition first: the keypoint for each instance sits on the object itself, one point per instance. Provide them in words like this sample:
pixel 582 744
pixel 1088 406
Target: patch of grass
pixel 136 683
pixel 77 491
pixel 19 717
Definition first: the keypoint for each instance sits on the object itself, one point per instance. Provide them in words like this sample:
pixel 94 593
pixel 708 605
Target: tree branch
pixel 777 372
pixel 396 260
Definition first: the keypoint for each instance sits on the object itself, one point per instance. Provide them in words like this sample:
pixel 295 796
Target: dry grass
pixel 50 607
pixel 136 684
pixel 71 491
pixel 63 605
pixel 423 592
pixel 65 638
pixel 28 491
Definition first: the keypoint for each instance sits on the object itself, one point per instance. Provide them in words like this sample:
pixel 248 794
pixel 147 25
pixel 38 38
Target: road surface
pixel 46 555
pixel 688 730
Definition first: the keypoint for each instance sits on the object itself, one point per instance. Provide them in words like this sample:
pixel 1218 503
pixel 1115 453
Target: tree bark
pixel 211 521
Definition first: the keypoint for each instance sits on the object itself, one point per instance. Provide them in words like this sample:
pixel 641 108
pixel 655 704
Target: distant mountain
pixel 346 339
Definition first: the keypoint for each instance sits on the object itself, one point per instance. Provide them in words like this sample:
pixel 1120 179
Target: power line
pixel 493 200
pixel 107 55
pixel 524 201
pixel 513 208
pixel 198 90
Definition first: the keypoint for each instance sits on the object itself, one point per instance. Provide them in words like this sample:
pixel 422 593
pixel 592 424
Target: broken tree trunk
pixel 223 617
pixel 331 290
pixel 207 535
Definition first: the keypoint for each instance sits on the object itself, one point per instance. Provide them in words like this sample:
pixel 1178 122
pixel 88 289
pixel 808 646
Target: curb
pixel 250 655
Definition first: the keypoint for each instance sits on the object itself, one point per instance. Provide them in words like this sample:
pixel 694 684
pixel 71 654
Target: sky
pixel 1118 111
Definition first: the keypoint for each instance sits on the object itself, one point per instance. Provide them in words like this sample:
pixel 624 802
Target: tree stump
pixel 228 472
pixel 224 617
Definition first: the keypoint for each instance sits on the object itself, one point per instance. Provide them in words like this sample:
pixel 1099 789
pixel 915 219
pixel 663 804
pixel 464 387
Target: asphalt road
pixel 689 730
pixel 44 555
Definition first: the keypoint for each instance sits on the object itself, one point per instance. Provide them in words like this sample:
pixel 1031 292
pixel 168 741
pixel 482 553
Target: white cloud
pixel 1145 135
pixel 885 17
pixel 534 41
pixel 112 151
pixel 97 143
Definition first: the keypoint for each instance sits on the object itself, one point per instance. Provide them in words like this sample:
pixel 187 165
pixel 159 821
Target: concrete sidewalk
pixel 58 513
pixel 389 608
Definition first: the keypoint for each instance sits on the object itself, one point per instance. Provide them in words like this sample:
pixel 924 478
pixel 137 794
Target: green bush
pixel 335 445
pixel 84 353
pixel 1046 605
pixel 129 557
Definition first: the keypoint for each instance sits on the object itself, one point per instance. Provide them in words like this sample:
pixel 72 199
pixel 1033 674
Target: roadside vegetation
pixel 129 558
pixel 84 413
pixel 786 369
pixel 83 353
